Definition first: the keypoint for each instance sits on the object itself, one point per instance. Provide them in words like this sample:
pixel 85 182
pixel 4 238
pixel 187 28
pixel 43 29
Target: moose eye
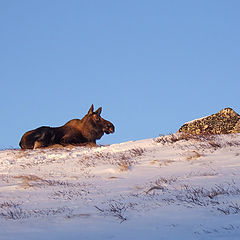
pixel 97 118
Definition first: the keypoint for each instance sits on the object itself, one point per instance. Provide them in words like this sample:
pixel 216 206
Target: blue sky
pixel 152 65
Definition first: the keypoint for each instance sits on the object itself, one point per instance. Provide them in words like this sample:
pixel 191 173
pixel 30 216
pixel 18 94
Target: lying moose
pixel 75 132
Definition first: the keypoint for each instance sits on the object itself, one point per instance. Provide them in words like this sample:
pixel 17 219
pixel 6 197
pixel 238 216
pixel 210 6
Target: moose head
pixel 93 124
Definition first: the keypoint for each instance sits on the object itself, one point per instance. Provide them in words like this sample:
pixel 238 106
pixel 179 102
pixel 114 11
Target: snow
pixel 159 188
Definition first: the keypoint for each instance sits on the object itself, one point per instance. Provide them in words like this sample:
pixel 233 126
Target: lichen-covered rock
pixel 237 127
pixel 224 122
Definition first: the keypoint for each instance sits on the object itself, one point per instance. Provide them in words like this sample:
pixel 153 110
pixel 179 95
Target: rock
pixel 224 122
pixel 237 127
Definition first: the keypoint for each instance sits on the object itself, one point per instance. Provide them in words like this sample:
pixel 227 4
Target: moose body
pixel 75 132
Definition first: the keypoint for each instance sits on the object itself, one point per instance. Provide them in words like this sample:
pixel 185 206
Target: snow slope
pixel 160 188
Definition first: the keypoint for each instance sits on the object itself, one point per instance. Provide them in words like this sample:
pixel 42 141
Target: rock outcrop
pixel 224 122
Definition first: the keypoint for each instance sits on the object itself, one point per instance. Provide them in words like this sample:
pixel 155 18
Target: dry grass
pixel 31 180
pixel 176 137
pixel 124 160
pixel 124 166
pixel 15 212
pixel 69 194
pixel 232 208
pixel 116 209
pixel 161 184
pixel 207 197
pixel 210 173
pixel 200 142
pixel 192 155
pixel 219 197
pixel 162 163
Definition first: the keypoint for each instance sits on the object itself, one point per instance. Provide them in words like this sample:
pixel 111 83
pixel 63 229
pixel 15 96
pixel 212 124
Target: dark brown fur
pixel 75 132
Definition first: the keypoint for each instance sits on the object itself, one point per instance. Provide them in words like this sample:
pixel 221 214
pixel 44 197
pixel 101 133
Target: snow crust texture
pixel 163 188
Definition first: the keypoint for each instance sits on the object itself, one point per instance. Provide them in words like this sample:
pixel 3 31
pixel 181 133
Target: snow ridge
pixel 167 186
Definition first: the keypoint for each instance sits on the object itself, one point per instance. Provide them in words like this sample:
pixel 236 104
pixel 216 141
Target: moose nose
pixel 111 128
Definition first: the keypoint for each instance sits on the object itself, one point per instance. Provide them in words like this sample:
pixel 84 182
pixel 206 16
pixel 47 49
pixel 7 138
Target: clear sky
pixel 152 65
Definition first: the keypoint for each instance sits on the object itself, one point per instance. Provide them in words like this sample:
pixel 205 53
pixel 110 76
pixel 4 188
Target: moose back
pixel 75 132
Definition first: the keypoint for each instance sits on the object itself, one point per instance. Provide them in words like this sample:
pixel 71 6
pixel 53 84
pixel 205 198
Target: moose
pixel 76 132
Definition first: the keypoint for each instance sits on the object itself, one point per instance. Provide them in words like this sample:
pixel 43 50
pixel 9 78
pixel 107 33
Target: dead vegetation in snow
pixel 123 181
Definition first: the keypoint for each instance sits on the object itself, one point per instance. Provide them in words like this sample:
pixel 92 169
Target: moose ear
pixel 98 112
pixel 90 111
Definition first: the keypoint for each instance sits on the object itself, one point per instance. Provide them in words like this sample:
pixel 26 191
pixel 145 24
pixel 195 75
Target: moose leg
pixel 37 144
pixel 89 144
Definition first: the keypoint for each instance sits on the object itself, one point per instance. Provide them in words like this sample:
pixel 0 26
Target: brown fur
pixel 82 132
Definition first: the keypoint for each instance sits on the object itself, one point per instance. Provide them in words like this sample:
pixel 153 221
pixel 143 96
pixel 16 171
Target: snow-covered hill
pixel 165 188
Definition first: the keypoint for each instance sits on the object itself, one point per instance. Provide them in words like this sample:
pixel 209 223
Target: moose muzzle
pixel 109 128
